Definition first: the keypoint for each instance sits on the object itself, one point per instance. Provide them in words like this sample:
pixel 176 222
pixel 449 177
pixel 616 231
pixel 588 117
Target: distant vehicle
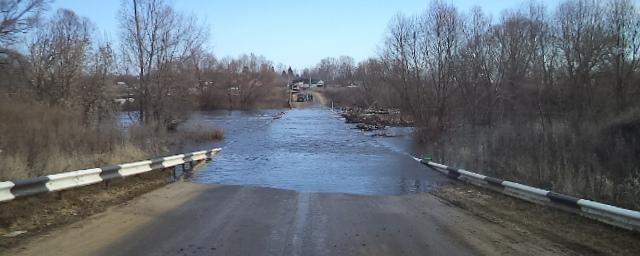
pixel 295 88
pixel 235 91
pixel 301 98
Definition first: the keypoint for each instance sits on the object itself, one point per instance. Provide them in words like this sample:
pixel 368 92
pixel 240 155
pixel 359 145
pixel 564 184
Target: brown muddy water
pixel 311 150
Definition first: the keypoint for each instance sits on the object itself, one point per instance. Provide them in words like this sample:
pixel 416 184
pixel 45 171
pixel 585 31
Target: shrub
pixel 37 139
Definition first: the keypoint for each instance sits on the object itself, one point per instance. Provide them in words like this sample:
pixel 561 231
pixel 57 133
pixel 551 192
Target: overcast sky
pixel 293 32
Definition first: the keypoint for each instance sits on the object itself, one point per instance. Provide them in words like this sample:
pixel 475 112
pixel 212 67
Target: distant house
pixel 306 82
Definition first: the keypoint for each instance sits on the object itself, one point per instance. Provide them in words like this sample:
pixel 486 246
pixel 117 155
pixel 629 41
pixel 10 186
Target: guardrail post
pixel 620 217
pixel 55 183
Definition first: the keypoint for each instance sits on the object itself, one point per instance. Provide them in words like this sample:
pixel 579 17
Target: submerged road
pixel 303 184
pixel 312 150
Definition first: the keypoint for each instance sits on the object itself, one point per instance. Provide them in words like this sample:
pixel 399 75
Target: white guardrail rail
pixel 10 190
pixel 620 217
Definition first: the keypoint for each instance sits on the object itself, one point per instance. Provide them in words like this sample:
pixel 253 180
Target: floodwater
pixel 311 150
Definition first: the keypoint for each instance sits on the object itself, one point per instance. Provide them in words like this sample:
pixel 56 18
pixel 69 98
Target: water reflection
pixel 311 150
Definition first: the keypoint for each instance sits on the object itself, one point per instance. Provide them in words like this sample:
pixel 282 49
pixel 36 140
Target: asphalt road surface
pixel 201 219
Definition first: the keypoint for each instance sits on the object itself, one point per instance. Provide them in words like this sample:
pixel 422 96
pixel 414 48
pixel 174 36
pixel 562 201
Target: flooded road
pixel 311 150
pixel 305 151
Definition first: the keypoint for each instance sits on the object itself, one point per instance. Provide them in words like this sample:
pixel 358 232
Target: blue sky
pixel 297 33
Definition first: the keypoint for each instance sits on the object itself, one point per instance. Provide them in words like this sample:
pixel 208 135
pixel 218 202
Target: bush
pixel 346 96
pixel 599 162
pixel 202 133
pixel 37 139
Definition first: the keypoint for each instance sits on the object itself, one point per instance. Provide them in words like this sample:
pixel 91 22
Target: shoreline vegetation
pixel 38 140
pixel 542 96
pixel 62 85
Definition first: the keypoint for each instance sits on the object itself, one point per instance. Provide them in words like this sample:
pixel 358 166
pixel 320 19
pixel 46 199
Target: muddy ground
pixel 40 214
pixel 582 235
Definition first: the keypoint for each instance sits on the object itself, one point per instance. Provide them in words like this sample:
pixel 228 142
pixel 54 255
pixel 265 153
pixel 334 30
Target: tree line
pixel 65 89
pixel 578 58
pixel 161 60
pixel 545 95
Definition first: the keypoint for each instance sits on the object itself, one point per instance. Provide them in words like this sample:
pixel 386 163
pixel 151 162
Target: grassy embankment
pixel 36 139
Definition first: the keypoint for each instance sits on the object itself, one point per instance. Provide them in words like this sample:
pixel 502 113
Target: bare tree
pixel 346 66
pixel 157 39
pixel 255 79
pixel 92 95
pixel 327 69
pixel 442 27
pixel 395 57
pixel 476 70
pixel 623 22
pixel 58 54
pixel 583 40
pixel 19 16
pixel 534 95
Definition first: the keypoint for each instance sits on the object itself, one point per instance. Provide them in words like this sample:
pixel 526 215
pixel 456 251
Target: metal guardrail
pixel 616 216
pixel 10 190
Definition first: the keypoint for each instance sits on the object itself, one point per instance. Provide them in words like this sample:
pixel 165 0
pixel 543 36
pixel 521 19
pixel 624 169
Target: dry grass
pixel 156 140
pixel 599 161
pixel 36 139
pixel 346 96
pixel 45 212
pixel 272 98
pixel 581 235
pixel 200 133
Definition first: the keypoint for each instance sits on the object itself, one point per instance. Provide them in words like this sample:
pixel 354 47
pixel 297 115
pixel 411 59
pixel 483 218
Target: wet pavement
pixel 312 150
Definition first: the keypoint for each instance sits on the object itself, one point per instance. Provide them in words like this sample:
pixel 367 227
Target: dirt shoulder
pixel 38 215
pixel 582 235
